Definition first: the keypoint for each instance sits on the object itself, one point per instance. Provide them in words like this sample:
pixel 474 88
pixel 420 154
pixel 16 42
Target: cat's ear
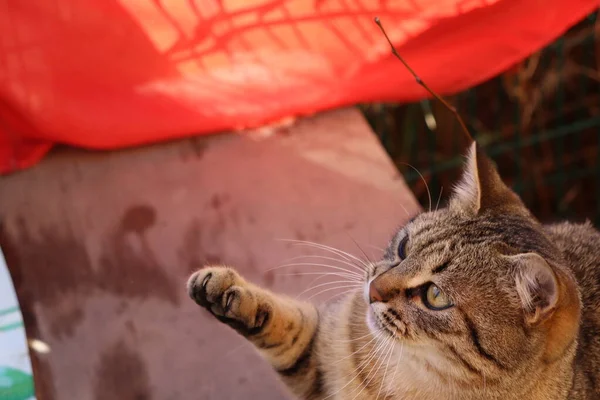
pixel 551 302
pixel 481 187
pixel 537 286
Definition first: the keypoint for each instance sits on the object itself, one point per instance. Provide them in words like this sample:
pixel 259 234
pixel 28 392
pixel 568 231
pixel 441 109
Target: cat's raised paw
pixel 229 298
pixel 207 286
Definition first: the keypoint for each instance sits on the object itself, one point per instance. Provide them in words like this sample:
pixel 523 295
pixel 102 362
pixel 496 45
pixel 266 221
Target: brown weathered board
pixel 100 245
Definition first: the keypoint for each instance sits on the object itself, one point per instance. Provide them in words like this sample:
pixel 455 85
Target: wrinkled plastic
pixel 109 74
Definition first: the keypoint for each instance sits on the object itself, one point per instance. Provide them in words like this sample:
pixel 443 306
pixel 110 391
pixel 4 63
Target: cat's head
pixel 478 283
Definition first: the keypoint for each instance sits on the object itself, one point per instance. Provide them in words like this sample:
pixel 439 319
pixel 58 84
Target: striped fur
pixel 524 321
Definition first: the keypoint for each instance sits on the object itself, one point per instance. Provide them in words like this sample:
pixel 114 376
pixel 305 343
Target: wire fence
pixel 539 121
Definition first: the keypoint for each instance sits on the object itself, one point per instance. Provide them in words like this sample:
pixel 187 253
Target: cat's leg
pixel 284 330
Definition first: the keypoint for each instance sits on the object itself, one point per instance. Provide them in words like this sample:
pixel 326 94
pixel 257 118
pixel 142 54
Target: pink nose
pixel 374 293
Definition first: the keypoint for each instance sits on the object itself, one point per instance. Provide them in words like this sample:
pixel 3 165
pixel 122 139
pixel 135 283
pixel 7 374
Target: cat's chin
pixel 371 322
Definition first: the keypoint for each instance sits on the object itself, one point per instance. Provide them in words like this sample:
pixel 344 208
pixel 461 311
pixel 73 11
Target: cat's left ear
pixel 550 301
pixel 481 187
pixel 537 286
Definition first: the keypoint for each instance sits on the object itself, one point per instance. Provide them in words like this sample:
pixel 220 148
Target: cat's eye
pixel 434 298
pixel 402 248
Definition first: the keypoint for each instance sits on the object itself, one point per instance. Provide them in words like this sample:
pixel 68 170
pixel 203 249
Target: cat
pixel 476 300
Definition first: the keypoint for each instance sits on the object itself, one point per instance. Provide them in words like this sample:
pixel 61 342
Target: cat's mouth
pixel 380 318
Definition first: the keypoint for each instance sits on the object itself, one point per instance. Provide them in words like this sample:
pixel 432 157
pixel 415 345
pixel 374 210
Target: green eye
pixel 435 299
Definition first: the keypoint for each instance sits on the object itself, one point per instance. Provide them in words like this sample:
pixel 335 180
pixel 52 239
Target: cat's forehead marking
pixel 433 244
pixel 430 222
pixel 441 268
pixel 421 227
pixel 423 267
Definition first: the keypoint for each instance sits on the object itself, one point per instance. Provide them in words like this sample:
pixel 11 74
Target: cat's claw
pixel 207 288
pixel 224 294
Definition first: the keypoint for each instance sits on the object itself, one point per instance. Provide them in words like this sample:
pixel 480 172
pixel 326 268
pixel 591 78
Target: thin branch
pixel 424 85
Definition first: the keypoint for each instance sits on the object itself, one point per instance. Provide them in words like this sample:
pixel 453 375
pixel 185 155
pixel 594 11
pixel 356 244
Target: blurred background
pixel 143 139
pixel 539 121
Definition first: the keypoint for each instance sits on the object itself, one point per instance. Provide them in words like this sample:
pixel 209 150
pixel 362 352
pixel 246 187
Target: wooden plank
pixel 100 245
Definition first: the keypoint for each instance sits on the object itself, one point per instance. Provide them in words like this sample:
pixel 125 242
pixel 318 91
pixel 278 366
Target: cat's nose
pixel 374 293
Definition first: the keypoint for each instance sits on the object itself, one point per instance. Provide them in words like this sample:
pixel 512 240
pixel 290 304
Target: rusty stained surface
pixel 100 245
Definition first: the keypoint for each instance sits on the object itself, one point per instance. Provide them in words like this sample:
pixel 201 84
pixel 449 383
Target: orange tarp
pixel 107 74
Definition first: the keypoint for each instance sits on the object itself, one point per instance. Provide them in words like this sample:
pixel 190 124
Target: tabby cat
pixel 474 301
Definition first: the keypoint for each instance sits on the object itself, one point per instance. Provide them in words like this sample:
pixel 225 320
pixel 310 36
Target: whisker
pixel 321 285
pixel 354 339
pixel 328 258
pixel 311 283
pixel 382 350
pixel 405 210
pixel 347 279
pixel 385 371
pixel 236 349
pixel 365 345
pixel 363 363
pixel 317 265
pixel 376 247
pixel 319 246
pixel 347 256
pixel 397 363
pixel 379 364
pixel 362 324
pixel 424 181
pixel 322 274
pixel 439 198
pixel 360 249
pixel 341 294
pixel 333 288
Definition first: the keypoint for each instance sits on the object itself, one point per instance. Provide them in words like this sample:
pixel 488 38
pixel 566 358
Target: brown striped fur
pixel 524 321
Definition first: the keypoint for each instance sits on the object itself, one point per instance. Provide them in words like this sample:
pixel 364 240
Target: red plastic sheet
pixel 106 74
